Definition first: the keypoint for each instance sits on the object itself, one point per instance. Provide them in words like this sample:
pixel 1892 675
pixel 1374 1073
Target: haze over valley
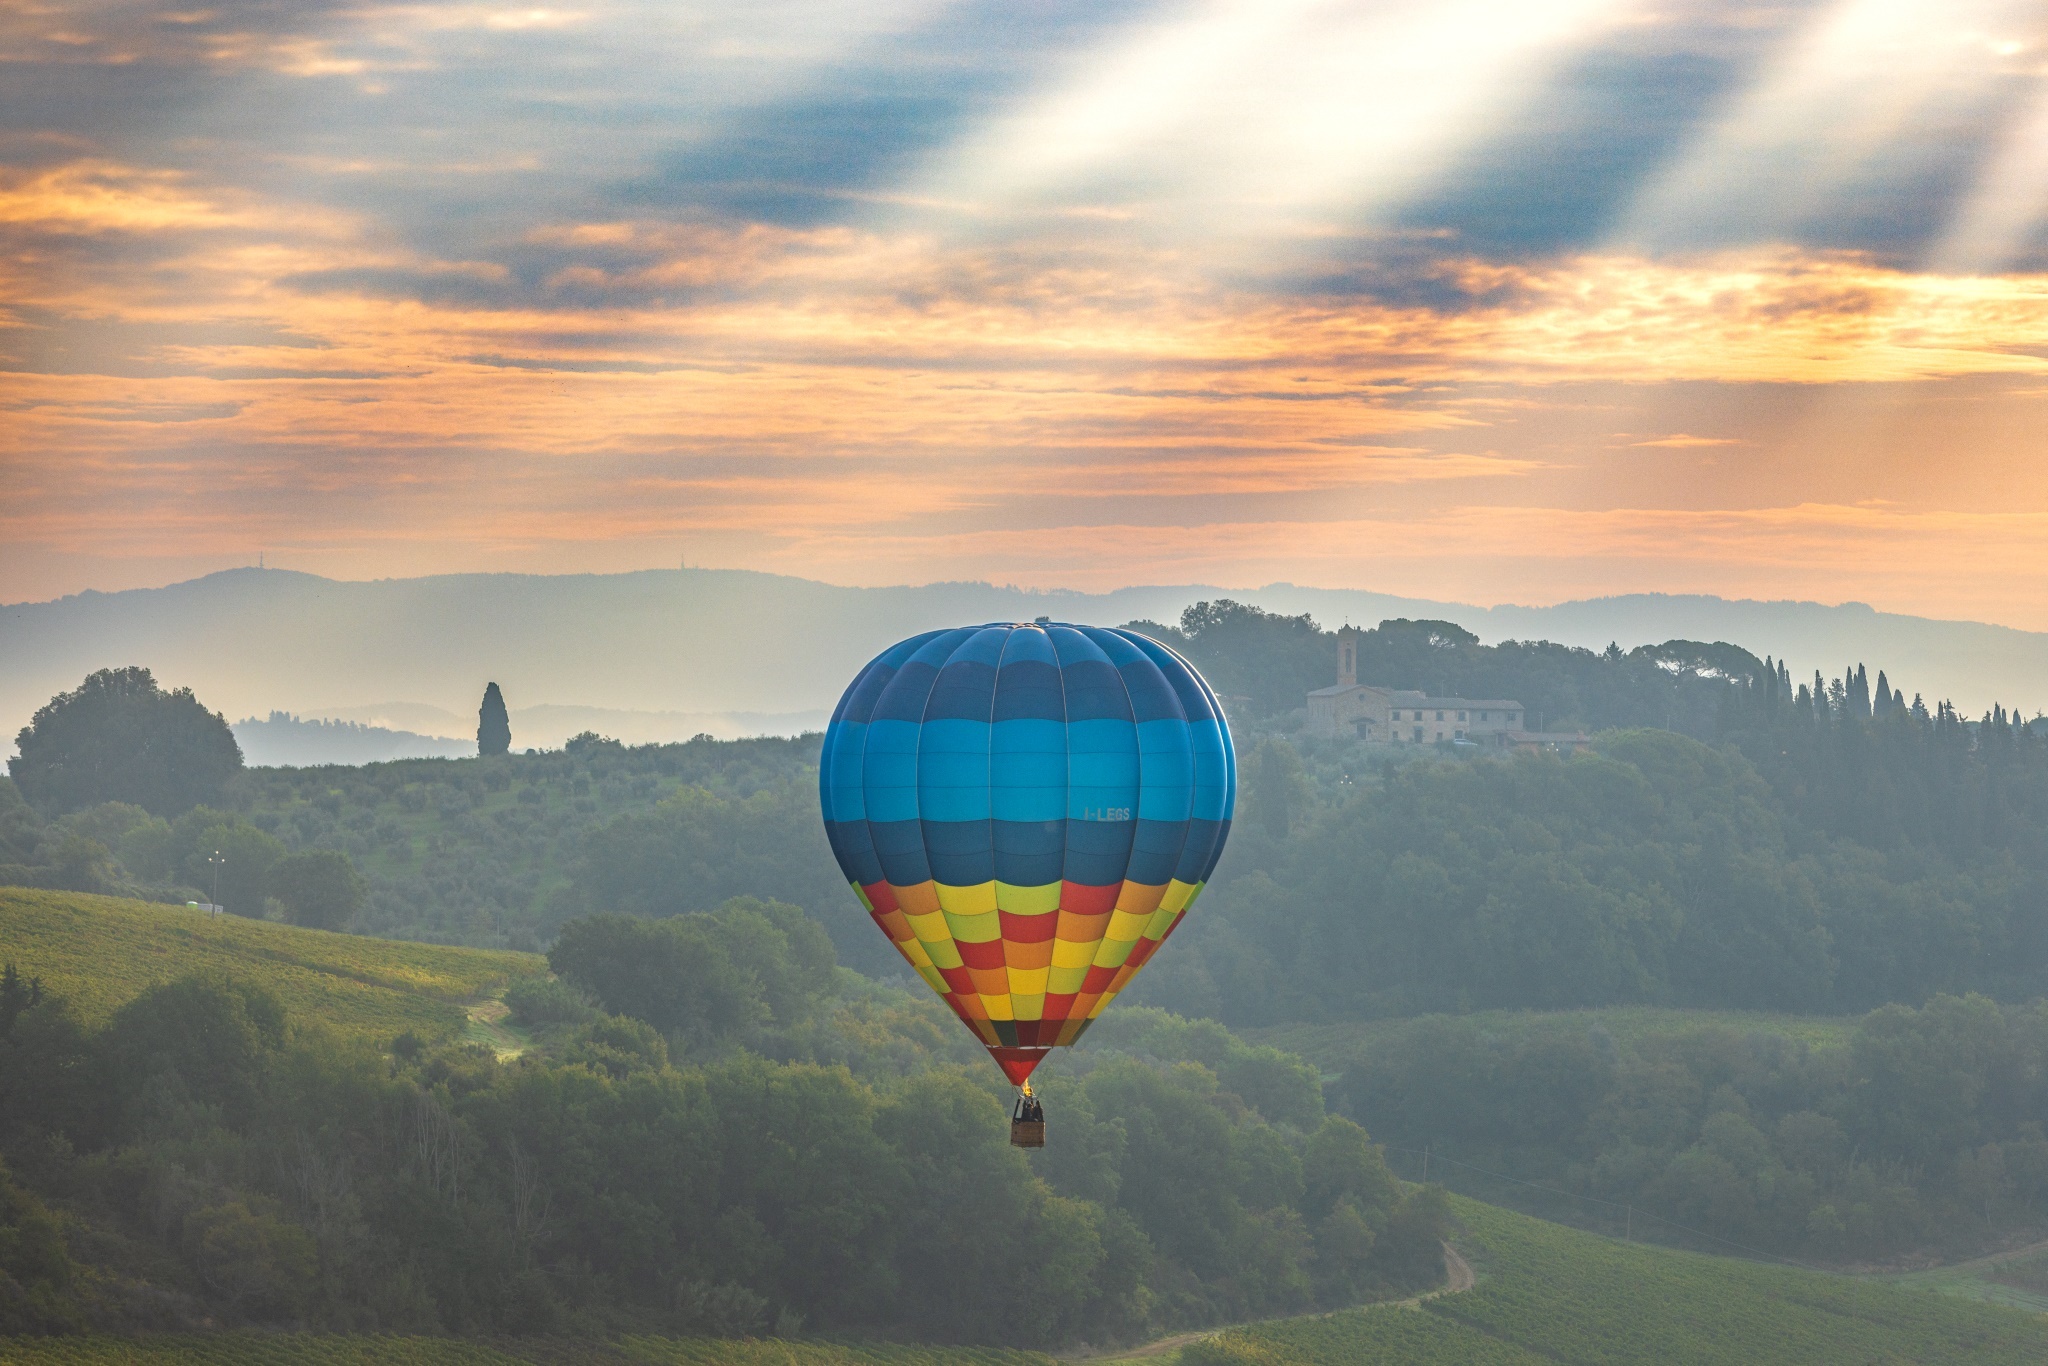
pixel 662 655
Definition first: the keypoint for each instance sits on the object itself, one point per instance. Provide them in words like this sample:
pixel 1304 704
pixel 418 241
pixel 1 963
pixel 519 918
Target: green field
pixel 324 1349
pixel 99 952
pixel 1552 1294
pixel 1332 1046
pixel 2019 1279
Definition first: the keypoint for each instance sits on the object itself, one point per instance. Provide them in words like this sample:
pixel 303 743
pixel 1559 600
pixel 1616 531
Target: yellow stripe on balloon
pixel 975 929
pixel 979 899
pixel 1125 927
pixel 1029 981
pixel 1027 900
pixel 1110 953
pixel 1066 953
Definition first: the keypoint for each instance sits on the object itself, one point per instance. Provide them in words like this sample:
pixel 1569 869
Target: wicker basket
pixel 1025 1133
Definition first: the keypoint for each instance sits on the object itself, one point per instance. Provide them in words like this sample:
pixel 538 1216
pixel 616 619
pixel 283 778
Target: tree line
pixel 1922 1129
pixel 1657 870
pixel 1266 664
pixel 785 1148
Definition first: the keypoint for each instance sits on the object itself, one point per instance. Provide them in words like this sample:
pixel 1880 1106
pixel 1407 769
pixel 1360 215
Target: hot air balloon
pixel 1027 810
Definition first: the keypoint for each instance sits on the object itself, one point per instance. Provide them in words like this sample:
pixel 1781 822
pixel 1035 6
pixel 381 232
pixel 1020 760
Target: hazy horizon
pixel 661 655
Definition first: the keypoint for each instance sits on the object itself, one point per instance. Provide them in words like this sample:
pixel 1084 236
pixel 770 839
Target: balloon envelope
pixel 1027 810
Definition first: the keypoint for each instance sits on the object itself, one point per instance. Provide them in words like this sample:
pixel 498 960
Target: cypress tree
pixel 1859 694
pixel 1882 703
pixel 493 726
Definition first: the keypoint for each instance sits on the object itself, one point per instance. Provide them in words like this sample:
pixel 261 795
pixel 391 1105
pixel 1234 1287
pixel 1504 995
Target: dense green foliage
pixel 1550 1294
pixel 503 851
pixel 796 1147
pixel 1268 663
pixel 1922 1128
pixel 705 978
pixel 118 737
pixel 1658 870
pixel 318 888
pixel 99 953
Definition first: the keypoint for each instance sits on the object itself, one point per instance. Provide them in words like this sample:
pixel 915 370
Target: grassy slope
pixel 2017 1278
pixel 1331 1046
pixel 1552 1294
pixel 99 952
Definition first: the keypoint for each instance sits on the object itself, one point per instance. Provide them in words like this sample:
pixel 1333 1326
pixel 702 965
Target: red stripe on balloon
pixel 1029 929
pixel 1089 900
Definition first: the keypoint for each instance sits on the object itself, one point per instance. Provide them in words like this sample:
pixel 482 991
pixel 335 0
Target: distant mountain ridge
pixel 673 651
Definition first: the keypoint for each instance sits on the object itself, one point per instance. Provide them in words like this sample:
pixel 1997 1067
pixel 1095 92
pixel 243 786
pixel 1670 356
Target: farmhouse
pixel 1396 716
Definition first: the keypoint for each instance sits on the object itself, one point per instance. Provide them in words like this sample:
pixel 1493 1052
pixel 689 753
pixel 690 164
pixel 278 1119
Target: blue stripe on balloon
pixel 1094 688
pixel 839 771
pixel 854 848
pixel 960 852
pixel 1031 850
pixel 1212 769
pixel 1196 857
pixel 1029 689
pixel 965 687
pixel 1097 852
pixel 899 846
pixel 1216 850
pixel 1155 851
pixel 889 771
pixel 1028 683
pixel 1028 766
pixel 860 698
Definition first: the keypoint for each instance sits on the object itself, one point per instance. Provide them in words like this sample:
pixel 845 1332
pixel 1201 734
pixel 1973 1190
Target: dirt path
pixel 487 1026
pixel 1458 1276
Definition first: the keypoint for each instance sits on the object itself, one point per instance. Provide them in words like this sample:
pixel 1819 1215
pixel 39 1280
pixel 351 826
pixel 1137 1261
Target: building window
pixel 1511 717
pixel 1461 735
pixel 1461 716
pixel 1439 716
pixel 1483 716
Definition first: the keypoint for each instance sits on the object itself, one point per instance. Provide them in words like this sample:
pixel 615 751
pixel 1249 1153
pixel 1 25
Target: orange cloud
pixel 822 400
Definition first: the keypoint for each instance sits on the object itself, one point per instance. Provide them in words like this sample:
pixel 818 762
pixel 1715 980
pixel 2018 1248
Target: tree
pixel 493 725
pixel 320 888
pixel 120 737
pixel 246 854
pixel 210 1037
pixel 16 996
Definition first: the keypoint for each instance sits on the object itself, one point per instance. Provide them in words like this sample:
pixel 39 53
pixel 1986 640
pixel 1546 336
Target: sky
pixel 1473 300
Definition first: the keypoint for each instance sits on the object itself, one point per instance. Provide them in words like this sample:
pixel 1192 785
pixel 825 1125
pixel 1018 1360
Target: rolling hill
pixel 99 952
pixel 1548 1294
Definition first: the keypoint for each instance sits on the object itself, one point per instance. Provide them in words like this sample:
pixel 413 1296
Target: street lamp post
pixel 217 860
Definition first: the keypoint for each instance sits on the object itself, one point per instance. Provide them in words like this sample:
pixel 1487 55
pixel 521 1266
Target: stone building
pixel 1397 716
